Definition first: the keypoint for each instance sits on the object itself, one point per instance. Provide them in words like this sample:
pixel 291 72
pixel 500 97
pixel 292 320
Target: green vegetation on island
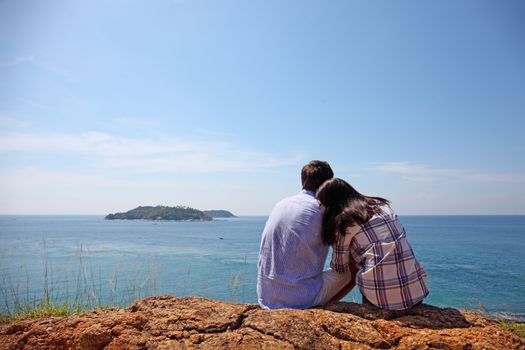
pixel 160 212
pixel 219 214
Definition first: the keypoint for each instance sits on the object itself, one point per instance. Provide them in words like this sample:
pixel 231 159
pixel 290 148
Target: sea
pixel 473 262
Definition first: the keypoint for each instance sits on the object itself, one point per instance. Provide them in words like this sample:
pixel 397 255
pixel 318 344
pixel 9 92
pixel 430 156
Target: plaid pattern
pixel 389 275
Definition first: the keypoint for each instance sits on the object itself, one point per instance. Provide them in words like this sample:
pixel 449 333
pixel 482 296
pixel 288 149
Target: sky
pixel 108 105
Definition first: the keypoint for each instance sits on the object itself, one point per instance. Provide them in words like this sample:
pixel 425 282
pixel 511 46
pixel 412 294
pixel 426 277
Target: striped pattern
pixel 292 254
pixel 389 275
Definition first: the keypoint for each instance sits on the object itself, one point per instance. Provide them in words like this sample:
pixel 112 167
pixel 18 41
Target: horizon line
pixel 266 215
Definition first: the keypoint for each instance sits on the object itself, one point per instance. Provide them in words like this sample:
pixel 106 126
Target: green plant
pixel 237 285
pixel 514 327
pixel 77 288
pixel 57 299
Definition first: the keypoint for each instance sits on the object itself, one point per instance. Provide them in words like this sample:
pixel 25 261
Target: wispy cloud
pixel 420 173
pixel 17 60
pixel 32 60
pixel 148 155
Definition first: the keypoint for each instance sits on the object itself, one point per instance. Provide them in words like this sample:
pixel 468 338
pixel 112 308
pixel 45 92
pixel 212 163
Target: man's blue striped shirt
pixel 292 254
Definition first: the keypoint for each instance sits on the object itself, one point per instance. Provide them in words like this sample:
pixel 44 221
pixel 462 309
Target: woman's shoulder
pixel 386 209
pixel 384 215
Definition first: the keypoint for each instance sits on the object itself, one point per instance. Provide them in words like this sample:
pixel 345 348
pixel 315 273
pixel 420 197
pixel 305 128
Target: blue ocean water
pixel 470 260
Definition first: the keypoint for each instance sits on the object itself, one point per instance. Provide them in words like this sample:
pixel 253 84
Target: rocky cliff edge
pixel 167 322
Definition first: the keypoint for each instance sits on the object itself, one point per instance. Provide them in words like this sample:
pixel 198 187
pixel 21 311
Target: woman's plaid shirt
pixel 389 275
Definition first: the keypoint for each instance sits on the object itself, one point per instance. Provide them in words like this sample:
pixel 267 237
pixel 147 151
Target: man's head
pixel 314 174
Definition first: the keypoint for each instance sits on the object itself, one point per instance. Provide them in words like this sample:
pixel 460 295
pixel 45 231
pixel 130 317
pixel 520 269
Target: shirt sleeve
pixel 342 259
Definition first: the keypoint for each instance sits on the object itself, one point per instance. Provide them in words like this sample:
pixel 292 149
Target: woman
pixel 366 236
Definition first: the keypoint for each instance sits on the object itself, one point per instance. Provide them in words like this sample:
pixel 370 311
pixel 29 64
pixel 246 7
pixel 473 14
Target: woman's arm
pixel 342 260
pixel 347 288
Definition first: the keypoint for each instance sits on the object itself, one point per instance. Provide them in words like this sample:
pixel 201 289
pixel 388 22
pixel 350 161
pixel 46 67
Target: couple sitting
pixel 369 245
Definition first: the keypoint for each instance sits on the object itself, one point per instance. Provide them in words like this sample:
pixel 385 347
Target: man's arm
pixel 347 288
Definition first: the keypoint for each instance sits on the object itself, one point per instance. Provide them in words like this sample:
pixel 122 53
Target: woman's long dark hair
pixel 344 207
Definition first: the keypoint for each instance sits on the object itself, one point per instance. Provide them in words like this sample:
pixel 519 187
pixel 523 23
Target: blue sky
pixel 107 105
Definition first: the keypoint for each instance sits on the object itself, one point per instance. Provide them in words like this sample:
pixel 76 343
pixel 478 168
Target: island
pixel 161 212
pixel 219 214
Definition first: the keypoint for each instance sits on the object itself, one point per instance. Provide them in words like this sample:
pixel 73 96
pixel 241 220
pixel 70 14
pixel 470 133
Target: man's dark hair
pixel 314 174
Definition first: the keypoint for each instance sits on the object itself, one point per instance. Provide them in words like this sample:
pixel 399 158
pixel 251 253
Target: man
pixel 292 253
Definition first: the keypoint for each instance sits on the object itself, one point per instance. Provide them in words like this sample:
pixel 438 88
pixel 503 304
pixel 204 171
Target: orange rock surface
pixel 167 322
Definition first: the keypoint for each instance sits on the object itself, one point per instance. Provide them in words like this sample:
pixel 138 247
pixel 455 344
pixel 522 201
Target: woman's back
pixel 389 275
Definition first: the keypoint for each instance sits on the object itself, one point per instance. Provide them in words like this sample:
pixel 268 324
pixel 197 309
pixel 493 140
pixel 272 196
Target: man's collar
pixel 311 193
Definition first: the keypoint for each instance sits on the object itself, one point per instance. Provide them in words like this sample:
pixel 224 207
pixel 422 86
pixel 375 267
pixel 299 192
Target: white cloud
pixel 147 155
pixel 421 173
pixel 18 60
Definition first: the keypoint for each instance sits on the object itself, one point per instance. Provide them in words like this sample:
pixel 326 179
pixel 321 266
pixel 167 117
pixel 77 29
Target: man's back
pixel 292 254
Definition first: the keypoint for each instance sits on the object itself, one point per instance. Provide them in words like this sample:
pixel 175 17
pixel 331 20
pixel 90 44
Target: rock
pixel 167 322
